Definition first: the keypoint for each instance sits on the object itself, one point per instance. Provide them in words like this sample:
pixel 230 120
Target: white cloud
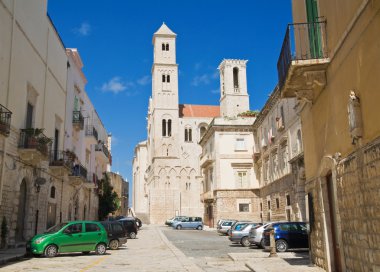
pixel 145 80
pixel 116 85
pixel 83 30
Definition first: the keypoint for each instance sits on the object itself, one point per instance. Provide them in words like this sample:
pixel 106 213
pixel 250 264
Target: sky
pixel 114 40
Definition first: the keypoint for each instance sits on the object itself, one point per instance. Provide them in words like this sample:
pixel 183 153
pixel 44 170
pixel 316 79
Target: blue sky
pixel 114 39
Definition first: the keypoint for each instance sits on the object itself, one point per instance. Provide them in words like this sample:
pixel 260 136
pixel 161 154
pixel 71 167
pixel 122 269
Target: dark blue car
pixel 288 235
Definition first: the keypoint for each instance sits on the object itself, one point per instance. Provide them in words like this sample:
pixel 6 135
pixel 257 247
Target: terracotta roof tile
pixel 186 110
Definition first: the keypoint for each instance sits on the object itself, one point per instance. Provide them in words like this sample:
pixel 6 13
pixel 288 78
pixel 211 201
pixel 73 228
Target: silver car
pixel 256 235
pixel 188 223
pixel 224 226
pixel 241 235
pixel 238 225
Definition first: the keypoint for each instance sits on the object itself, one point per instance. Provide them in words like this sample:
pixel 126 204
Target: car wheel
pixel 100 249
pixel 114 244
pixel 179 227
pixel 262 244
pixel 199 227
pixel 281 245
pixel 245 242
pixel 51 251
pixel 85 252
pixel 132 235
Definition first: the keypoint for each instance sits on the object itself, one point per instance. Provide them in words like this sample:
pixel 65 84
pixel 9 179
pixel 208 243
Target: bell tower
pixel 164 103
pixel 234 98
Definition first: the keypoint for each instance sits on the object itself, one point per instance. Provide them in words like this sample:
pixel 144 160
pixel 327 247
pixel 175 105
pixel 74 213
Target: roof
pixel 186 110
pixel 165 30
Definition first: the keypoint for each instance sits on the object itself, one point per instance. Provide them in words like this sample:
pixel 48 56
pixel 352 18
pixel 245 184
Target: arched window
pixel 163 127
pixel 167 47
pixel 163 78
pixel 52 192
pixel 168 78
pixel 163 47
pixel 169 127
pixel 202 131
pixel 236 79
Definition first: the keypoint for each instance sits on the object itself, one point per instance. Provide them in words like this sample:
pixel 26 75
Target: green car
pixel 75 236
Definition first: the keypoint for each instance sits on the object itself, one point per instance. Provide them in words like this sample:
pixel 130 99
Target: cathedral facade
pixel 167 177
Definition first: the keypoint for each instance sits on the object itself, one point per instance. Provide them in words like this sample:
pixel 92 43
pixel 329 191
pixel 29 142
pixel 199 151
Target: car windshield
pixel 55 228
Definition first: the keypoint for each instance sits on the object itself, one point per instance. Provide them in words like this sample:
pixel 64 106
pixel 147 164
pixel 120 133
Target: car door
pixel 91 236
pixel 302 236
pixel 70 239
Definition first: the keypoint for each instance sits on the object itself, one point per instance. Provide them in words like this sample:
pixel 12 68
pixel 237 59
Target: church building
pixel 167 177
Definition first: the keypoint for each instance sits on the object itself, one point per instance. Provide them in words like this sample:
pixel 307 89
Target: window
pixel 29 116
pixel 261 206
pixel 74 228
pixel 243 207
pixel 236 79
pixel 163 78
pixel 52 192
pixel 169 127
pixel 91 227
pixel 299 141
pixel 277 203
pixel 168 78
pixel 188 135
pixel 268 204
pixel 167 47
pixel 287 200
pixel 163 127
pixel 240 144
pixel 163 47
pixel 242 179
pixel 202 131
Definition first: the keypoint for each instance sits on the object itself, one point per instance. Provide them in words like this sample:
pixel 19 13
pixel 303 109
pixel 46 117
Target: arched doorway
pixel 19 236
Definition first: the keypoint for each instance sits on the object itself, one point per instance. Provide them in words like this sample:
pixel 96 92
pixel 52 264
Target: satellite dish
pixel 40 181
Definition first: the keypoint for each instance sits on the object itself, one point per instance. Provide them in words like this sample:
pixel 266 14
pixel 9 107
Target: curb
pixel 11 259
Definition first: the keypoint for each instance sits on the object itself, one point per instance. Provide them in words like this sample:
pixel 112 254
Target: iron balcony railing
pixel 101 147
pixel 61 158
pixel 79 170
pixel 33 138
pixel 303 41
pixel 91 131
pixel 5 120
pixel 78 119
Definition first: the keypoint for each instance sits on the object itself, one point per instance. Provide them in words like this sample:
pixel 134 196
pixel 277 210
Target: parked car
pixel 170 221
pixel 241 235
pixel 188 223
pixel 130 225
pixel 287 235
pixel 117 235
pixel 224 226
pixel 75 236
pixel 256 235
pixel 238 225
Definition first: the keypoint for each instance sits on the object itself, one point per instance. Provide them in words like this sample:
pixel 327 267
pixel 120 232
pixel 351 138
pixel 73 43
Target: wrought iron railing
pixel 91 131
pixel 33 138
pixel 79 170
pixel 61 158
pixel 101 147
pixel 5 120
pixel 303 41
pixel 78 119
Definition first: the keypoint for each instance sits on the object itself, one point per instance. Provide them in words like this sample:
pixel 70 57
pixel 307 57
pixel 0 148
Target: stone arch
pixel 172 177
pixel 202 128
pixel 51 209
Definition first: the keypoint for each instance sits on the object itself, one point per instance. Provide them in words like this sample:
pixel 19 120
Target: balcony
pixel 207 197
pixel 78 175
pixel 206 159
pixel 78 120
pixel 61 162
pixel 91 134
pixel 5 120
pixel 303 60
pixel 103 152
pixel 91 181
pixel 34 145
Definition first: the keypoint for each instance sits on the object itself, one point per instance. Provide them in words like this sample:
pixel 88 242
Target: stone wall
pixel 226 204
